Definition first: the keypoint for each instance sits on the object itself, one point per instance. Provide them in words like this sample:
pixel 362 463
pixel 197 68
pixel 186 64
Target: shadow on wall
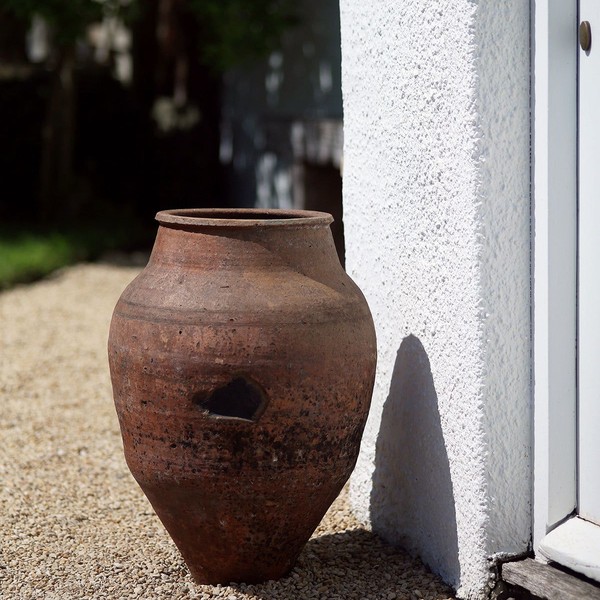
pixel 412 501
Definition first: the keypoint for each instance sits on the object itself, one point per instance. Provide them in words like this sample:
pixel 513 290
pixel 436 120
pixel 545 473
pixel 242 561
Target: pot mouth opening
pixel 242 217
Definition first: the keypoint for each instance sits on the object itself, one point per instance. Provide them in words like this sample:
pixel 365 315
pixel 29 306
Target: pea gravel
pixel 74 524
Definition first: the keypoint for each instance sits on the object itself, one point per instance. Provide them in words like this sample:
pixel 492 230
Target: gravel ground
pixel 73 522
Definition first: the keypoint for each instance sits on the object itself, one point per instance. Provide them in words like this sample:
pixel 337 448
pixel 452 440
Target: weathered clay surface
pixel 242 361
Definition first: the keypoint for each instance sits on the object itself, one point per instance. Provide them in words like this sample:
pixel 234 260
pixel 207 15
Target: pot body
pixel 242 361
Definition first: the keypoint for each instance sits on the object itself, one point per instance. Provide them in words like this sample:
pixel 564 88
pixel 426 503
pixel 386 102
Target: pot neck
pixel 302 244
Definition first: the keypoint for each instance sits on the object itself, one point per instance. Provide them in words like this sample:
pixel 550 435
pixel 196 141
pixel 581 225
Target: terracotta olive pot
pixel 242 361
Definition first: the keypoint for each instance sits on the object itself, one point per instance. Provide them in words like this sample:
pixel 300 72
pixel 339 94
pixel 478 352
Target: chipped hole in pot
pixel 239 399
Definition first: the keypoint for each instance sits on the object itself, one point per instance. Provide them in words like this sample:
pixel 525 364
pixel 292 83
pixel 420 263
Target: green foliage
pixel 237 30
pixel 232 31
pixel 27 257
pixel 29 253
pixel 68 18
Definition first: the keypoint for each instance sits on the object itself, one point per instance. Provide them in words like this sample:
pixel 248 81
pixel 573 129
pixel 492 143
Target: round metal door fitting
pixel 585 36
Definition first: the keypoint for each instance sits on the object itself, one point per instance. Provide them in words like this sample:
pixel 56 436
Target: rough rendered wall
pixel 436 211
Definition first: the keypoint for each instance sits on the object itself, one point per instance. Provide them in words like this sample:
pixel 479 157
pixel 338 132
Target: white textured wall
pixel 436 211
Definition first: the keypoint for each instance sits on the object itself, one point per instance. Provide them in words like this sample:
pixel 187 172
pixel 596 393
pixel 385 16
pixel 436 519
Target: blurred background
pixel 111 110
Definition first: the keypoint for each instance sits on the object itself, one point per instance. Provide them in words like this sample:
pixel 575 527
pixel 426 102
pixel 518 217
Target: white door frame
pixel 554 270
pixel 558 534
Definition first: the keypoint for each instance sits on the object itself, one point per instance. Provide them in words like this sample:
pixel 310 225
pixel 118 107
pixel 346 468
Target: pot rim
pixel 242 217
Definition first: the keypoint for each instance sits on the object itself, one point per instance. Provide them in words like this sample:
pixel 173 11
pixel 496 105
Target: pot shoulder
pixel 192 296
